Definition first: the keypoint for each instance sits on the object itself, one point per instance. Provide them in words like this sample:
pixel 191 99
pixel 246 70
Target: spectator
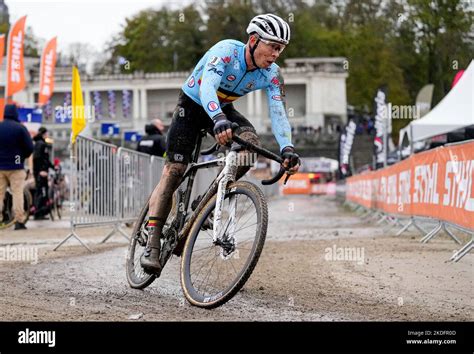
pixel 154 143
pixel 41 165
pixel 15 146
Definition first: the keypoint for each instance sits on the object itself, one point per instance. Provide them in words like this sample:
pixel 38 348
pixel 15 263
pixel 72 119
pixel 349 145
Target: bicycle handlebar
pixel 259 150
pixel 265 153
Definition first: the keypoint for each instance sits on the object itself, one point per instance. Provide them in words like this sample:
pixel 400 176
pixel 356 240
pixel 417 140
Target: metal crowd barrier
pixel 443 226
pixel 108 186
pixel 391 221
pixel 414 221
pixel 133 187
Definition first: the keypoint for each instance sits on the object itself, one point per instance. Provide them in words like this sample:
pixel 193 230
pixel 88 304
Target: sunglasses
pixel 275 46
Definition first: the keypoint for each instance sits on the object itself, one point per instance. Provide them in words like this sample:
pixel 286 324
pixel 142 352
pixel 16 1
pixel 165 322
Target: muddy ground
pixel 298 277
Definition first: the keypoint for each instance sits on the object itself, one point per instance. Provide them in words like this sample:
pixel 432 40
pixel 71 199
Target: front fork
pixel 226 176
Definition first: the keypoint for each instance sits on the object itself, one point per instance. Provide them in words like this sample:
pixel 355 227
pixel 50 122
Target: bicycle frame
pixel 218 185
pixel 190 175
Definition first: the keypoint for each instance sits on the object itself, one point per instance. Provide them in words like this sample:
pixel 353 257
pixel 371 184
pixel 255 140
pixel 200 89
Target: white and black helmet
pixel 270 27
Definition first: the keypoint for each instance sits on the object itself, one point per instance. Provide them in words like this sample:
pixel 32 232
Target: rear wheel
pixel 213 272
pixel 136 275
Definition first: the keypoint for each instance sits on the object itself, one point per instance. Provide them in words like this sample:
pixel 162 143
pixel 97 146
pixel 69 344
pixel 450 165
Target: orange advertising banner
pixel 48 64
pixel 2 47
pixel 437 183
pixel 304 183
pixel 298 184
pixel 15 62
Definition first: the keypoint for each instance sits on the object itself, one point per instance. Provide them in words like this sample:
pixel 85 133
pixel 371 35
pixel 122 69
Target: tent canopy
pixel 455 111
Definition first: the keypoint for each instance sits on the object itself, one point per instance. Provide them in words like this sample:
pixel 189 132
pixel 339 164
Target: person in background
pixel 15 146
pixel 41 166
pixel 154 143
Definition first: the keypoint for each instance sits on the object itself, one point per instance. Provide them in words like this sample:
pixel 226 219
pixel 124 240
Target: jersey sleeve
pixel 212 76
pixel 281 128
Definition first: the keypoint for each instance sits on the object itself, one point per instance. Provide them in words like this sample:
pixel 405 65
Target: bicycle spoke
pixel 243 228
pixel 241 243
pixel 243 214
pixel 201 249
pixel 235 270
pixel 200 269
pixel 205 279
pixel 244 210
pixel 208 234
pixel 203 257
pixel 246 221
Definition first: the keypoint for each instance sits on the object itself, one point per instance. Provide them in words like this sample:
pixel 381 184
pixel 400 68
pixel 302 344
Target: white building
pixel 315 96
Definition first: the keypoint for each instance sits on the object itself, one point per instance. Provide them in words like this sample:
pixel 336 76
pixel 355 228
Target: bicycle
pixel 56 194
pixel 189 234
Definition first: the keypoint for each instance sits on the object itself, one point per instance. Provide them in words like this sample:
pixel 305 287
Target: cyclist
pixel 229 70
pixel 41 166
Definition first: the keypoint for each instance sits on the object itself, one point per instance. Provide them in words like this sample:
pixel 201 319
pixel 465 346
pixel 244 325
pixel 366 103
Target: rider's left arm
pixel 281 128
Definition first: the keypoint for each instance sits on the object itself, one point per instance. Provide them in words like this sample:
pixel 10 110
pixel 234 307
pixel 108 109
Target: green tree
pixel 444 38
pixel 187 38
pixel 32 44
pixel 228 19
pixel 163 40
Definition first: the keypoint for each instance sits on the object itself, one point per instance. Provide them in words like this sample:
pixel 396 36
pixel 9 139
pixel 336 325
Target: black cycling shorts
pixel 189 119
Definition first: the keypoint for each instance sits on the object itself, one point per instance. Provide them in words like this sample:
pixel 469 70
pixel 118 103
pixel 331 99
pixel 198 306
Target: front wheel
pixel 213 272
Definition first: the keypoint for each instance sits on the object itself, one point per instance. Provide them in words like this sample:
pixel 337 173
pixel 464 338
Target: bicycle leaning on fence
pixel 221 240
pixel 56 193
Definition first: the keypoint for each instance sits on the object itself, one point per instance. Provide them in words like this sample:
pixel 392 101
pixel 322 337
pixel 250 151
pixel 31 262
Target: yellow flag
pixel 78 118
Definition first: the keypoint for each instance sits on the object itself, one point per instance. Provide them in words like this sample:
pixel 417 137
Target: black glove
pixel 221 124
pixel 290 154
